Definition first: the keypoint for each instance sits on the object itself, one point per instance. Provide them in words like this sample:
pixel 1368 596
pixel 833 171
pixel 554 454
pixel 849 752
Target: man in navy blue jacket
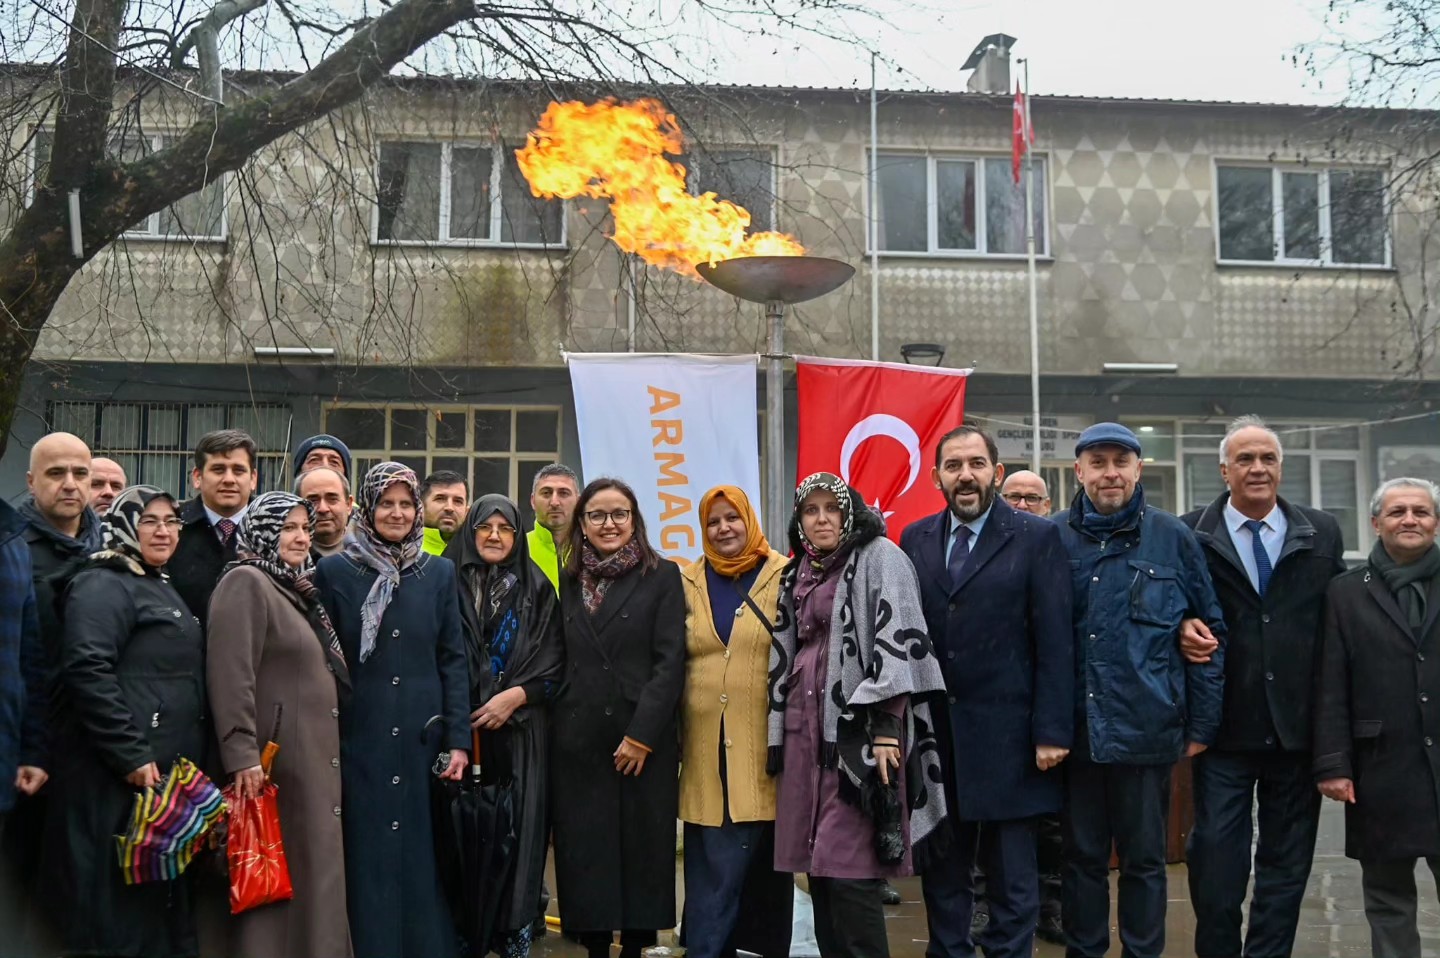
pixel 994 584
pixel 1137 574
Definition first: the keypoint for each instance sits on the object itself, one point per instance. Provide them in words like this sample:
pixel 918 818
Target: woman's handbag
pixel 168 825
pixel 259 874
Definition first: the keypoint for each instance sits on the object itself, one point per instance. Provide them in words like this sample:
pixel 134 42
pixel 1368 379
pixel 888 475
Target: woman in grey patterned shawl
pixel 850 735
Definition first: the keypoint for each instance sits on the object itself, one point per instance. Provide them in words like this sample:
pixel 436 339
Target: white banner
pixel 671 425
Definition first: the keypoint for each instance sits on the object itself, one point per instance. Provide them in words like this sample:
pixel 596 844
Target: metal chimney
pixel 991 63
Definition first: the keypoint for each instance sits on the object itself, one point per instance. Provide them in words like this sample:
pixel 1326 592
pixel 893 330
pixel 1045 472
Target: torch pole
pixel 775 422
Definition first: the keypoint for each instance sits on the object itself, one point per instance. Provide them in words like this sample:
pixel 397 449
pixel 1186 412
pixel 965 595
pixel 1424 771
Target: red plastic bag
pixel 259 874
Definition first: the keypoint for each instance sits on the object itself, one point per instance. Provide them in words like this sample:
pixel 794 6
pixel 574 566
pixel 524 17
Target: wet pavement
pixel 1332 924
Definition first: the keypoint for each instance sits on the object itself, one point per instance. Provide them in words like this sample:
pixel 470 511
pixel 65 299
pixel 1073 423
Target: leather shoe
pixel 889 894
pixel 1048 928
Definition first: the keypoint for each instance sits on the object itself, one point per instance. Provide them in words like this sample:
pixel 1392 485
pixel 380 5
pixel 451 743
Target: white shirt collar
pixel 215 517
pixel 1236 519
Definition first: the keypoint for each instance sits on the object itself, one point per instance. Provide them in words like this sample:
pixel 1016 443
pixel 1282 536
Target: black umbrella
pixel 474 826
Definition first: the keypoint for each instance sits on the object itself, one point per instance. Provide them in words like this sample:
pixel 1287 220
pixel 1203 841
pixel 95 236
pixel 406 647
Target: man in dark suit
pixel 224 477
pixel 995 587
pixel 1271 562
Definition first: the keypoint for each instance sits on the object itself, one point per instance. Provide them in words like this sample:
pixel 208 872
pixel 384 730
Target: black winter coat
pixel 1270 642
pixel 1006 643
pixel 199 558
pixel 615 834
pixel 1377 717
pixel 132 691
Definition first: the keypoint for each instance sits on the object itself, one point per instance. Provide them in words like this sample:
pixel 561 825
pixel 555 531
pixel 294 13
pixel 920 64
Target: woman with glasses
pixel 726 800
pixel 614 745
pixel 396 611
pixel 274 670
pixel 130 701
pixel 512 642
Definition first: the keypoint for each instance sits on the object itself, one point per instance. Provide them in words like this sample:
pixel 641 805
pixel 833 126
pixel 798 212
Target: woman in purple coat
pixel 859 793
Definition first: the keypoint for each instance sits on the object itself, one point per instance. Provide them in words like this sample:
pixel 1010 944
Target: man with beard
pixel 1137 574
pixel 107 478
pixel 995 590
pixel 445 499
pixel 328 492
pixel 553 497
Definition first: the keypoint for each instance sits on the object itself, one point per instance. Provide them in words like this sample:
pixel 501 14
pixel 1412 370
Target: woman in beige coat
pixel 733 896
pixel 274 671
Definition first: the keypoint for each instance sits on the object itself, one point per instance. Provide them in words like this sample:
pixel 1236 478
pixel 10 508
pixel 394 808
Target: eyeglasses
pixel 151 523
pixel 503 532
pixel 1014 498
pixel 597 518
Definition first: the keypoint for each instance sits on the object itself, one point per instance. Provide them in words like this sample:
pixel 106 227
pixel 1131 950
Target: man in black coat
pixel 995 589
pixel 1377 709
pixel 225 478
pixel 1271 562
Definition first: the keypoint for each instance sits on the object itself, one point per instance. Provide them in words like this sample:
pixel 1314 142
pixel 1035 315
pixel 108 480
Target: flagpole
pixel 874 217
pixel 1030 258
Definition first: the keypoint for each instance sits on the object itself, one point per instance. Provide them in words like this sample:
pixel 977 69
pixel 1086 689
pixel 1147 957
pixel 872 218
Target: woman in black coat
pixel 130 701
pixel 398 617
pixel 512 642
pixel 614 744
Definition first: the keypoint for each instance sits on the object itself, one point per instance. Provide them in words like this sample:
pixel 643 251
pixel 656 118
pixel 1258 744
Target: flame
pixel 617 152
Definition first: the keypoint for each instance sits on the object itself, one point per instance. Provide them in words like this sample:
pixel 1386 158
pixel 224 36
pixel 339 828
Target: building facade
pixel 386 275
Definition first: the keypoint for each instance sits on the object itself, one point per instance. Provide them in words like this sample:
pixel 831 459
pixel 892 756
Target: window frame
pixel 1043 249
pixel 442 227
pixel 1277 215
pixel 468 452
pixel 772 158
pixel 156 139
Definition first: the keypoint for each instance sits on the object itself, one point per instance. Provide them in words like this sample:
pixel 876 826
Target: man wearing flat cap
pixel 1138 573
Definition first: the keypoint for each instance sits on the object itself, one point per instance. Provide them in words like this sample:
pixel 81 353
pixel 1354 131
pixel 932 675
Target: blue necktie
pixel 959 552
pixel 1262 558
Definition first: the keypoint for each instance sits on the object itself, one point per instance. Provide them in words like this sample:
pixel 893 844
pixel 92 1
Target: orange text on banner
pixel 671 432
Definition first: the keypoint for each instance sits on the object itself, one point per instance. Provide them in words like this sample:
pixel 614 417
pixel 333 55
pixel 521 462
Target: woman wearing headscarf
pixel 850 736
pixel 614 745
pixel 512 641
pixel 273 669
pixel 130 701
pixel 397 613
pixel 726 800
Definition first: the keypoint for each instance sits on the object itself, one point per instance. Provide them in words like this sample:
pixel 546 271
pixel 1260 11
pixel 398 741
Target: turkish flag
pixel 876 426
pixel 1022 132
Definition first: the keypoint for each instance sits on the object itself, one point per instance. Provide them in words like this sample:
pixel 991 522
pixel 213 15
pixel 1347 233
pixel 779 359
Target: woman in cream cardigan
pixel 727 800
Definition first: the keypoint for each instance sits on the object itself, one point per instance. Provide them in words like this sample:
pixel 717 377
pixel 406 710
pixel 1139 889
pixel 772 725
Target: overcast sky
pixel 1218 50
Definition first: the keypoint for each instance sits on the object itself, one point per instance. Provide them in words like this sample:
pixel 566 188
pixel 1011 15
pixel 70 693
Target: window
pixel 959 205
pixel 1301 215
pixel 744 177
pixel 497 448
pixel 1321 470
pixel 201 215
pixel 155 442
pixel 457 193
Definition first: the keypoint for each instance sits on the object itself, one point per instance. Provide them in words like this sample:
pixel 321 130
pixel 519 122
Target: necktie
pixel 1262 558
pixel 227 531
pixel 959 552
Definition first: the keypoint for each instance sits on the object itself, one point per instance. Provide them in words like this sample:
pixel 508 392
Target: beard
pixel 969 513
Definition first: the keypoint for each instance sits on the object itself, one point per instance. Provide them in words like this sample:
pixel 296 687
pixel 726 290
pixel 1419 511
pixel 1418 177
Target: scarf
pixel 257 543
pixel 368 548
pixel 1104 526
pixel 120 530
pixel 831 483
pixel 1409 582
pixel 510 612
pixel 87 540
pixel 756 550
pixel 598 573
pixel 878 649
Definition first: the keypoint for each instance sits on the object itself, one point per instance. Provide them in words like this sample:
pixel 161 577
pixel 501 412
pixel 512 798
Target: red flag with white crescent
pixel 1022 132
pixel 876 425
